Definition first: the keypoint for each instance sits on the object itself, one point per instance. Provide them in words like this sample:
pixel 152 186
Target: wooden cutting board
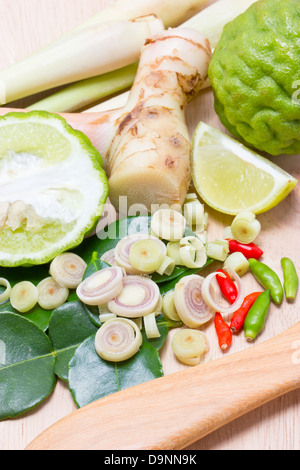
pixel 26 26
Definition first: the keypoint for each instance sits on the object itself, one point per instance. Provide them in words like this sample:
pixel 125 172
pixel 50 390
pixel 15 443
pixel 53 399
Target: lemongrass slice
pixel 109 257
pixel 227 234
pixel 194 214
pixel 189 346
pixel 190 197
pixel 146 255
pixel 68 269
pixel 101 287
pixel 23 296
pixel 51 295
pixel 118 340
pixel 158 308
pixel 166 267
pixel 122 250
pixel 168 224
pixel 218 249
pixel 238 262
pixel 150 326
pixel 103 317
pixel 168 306
pixel 173 251
pixel 192 252
pixel 5 294
pixel 245 227
pixel 207 292
pixel 138 298
pixel 189 302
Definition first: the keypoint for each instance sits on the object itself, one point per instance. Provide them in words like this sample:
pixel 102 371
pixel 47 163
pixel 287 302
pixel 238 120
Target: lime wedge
pixel 52 187
pixel 230 178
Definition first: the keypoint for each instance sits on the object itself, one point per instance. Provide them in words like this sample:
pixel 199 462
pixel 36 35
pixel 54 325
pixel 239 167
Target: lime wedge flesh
pixel 52 187
pixel 229 177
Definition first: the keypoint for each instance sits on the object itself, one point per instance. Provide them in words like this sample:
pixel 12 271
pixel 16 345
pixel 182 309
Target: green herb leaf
pixel 91 378
pixel 26 365
pixel 69 326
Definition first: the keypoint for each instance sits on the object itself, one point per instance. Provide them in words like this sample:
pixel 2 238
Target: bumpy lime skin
pixel 255 75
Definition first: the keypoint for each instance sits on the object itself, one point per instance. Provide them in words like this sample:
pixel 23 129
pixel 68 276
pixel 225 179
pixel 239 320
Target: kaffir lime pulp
pixel 52 187
pixel 255 75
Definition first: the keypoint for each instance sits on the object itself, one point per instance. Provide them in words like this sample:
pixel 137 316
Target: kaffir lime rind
pixel 255 75
pixel 52 187
pixel 230 178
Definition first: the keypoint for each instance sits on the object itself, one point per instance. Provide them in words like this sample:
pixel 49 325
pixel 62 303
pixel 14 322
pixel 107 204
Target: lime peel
pixel 230 178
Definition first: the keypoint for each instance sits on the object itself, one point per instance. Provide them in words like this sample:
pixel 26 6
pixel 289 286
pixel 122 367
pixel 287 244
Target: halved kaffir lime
pixel 52 187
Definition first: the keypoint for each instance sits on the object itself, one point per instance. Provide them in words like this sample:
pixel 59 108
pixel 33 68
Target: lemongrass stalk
pixel 88 52
pixel 81 94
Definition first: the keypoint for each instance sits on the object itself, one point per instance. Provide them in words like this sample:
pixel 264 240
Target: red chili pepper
pixel 249 250
pixel 227 286
pixel 238 318
pixel 224 333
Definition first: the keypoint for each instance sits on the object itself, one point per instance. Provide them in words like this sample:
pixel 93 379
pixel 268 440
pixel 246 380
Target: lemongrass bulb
pixel 51 295
pixel 168 224
pixel 173 251
pixel 238 262
pixel 68 269
pixel 245 227
pixel 217 250
pixel 167 266
pixel 189 346
pixel 208 297
pixel 6 293
pixel 194 214
pixel 109 257
pixel 150 326
pixel 168 306
pixel 147 255
pixel 23 296
pixel 138 297
pixel 118 340
pixel 102 286
pixel 122 250
pixel 190 305
pixel 192 252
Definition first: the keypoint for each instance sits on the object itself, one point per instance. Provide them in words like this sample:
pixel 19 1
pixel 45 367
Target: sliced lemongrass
pixel 207 292
pixel 150 326
pixel 190 197
pixel 109 257
pixel 138 322
pixel 101 287
pixel 23 296
pixel 192 252
pixel 168 224
pixel 103 317
pixel 194 214
pixel 6 293
pixel 173 251
pixel 51 294
pixel 217 249
pixel 227 234
pixel 146 255
pixel 158 308
pixel 202 236
pixel 189 303
pixel 168 306
pixel 189 346
pixel 118 340
pixel 238 262
pixel 245 227
pixel 68 269
pixel 138 298
pixel 122 250
pixel 167 266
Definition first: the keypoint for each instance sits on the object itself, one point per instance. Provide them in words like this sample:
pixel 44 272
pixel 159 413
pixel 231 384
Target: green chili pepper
pixel 290 278
pixel 268 279
pixel 257 315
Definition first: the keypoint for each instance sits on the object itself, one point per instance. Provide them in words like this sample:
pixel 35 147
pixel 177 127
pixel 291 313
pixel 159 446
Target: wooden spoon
pixel 174 411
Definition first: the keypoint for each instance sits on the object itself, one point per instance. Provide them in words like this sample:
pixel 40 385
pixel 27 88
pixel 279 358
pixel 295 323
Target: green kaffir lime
pixel 255 75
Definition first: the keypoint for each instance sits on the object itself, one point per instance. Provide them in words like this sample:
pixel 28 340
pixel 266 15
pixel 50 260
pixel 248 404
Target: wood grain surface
pixel 26 25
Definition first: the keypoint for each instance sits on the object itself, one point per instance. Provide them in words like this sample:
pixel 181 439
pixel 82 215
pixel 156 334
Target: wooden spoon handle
pixel 176 410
